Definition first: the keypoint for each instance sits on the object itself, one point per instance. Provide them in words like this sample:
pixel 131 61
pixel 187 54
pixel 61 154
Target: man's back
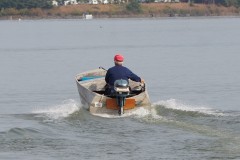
pixel 120 72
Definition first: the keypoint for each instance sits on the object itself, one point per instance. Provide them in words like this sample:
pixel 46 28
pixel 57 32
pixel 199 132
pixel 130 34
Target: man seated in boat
pixel 119 72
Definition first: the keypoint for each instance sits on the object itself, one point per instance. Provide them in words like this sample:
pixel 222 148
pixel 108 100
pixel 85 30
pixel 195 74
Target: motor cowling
pixel 121 86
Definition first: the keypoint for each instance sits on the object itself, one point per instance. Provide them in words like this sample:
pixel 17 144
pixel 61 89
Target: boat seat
pixel 100 92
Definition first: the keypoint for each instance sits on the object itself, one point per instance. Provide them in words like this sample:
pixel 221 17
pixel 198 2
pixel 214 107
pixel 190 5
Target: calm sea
pixel 190 65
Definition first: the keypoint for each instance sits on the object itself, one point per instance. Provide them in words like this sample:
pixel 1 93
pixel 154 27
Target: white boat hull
pixel 92 99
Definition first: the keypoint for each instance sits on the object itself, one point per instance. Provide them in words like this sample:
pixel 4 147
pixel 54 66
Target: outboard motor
pixel 121 88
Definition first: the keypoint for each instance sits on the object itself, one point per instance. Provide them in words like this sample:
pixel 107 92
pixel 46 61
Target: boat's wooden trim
pixel 111 103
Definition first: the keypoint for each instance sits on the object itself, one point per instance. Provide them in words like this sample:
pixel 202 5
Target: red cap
pixel 118 58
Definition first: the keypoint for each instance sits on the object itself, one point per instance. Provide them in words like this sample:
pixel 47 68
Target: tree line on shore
pixel 21 4
pixel 44 8
pixel 46 4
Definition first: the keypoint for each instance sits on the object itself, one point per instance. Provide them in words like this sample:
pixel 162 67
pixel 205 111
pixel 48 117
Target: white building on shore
pixel 69 2
pixel 93 2
pixel 55 3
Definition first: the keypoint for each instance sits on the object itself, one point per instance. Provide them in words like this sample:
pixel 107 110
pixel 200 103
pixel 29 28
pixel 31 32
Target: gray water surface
pixel 191 68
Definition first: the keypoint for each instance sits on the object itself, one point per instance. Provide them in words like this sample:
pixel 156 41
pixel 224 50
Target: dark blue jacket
pixel 120 72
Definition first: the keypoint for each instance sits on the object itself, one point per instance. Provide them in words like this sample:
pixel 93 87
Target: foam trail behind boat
pixel 178 105
pixel 61 110
pixel 139 112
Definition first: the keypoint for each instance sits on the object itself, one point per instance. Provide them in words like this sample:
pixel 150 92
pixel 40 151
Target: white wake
pixel 59 111
pixel 178 105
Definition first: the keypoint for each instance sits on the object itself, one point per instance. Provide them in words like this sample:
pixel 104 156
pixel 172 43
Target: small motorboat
pixel 128 96
pixel 87 16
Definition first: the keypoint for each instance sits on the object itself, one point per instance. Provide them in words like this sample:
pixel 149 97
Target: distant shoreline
pixel 119 17
pixel 148 10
